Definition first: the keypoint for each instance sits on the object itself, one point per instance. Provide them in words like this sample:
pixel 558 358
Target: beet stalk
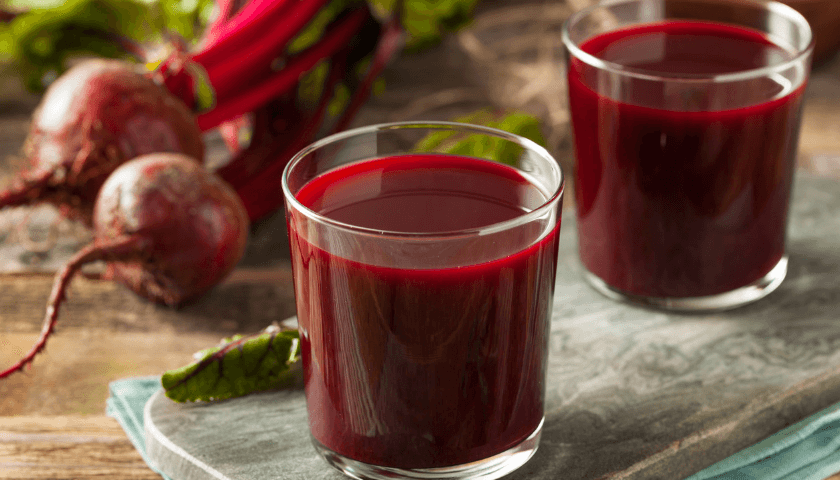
pixel 289 77
pixel 259 190
pixel 102 113
pixel 226 74
pixel 271 142
pixel 168 229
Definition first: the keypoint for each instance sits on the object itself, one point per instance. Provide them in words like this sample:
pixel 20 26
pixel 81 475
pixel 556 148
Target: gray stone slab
pixel 632 393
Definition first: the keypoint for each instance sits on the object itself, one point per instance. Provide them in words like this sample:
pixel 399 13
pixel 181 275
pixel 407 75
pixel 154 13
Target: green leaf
pixel 205 94
pixel 524 125
pixel 484 146
pixel 339 100
pixel 41 41
pixel 7 43
pixel 426 21
pixel 236 367
pixel 433 141
pixel 185 17
pixel 311 83
pixel 314 30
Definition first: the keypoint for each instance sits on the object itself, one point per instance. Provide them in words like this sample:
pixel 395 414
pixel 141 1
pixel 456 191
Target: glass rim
pixel 773 6
pixel 526 217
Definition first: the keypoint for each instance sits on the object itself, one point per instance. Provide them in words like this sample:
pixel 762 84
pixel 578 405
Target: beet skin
pixel 95 117
pixel 196 226
pixel 166 228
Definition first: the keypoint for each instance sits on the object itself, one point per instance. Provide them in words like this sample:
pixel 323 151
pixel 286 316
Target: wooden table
pixel 52 422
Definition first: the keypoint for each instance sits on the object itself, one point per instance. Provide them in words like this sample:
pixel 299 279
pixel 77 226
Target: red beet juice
pixel 682 188
pixel 423 367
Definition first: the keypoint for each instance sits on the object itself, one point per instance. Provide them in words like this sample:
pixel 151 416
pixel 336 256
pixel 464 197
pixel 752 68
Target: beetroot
pixel 94 118
pixel 168 229
pixel 100 114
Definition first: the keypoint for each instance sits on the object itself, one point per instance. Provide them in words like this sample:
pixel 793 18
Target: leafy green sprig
pixel 46 34
pixel 237 366
pixel 485 146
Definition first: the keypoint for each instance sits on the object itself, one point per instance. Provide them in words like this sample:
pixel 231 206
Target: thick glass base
pixel 722 301
pixel 496 466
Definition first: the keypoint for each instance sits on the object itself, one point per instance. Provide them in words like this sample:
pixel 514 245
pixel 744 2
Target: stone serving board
pixel 632 393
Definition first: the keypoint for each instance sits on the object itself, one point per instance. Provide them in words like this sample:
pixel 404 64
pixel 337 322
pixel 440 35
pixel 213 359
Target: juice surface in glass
pixel 683 192
pixel 425 367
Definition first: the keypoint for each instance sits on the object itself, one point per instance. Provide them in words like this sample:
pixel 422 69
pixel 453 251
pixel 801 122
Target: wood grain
pixel 90 447
pixel 68 447
pixel 106 333
pixel 249 299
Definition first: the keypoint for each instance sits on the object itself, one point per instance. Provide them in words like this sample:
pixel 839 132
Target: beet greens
pixel 238 366
pixel 287 43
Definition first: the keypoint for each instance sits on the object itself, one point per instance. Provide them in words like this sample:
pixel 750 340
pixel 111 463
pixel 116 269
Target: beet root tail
pixel 117 248
pixel 26 190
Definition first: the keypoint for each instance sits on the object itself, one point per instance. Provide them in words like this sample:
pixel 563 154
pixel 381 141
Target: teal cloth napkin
pixel 808 450
pixel 125 403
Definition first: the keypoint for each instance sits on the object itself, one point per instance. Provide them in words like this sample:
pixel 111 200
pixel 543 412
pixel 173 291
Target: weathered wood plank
pixel 105 332
pixel 72 375
pixel 68 447
pixel 98 445
pixel 249 300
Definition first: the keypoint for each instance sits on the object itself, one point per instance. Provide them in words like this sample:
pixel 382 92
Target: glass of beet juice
pixel 686 117
pixel 424 284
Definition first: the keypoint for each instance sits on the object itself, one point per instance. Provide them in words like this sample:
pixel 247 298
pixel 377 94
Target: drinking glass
pixel 685 117
pixel 424 257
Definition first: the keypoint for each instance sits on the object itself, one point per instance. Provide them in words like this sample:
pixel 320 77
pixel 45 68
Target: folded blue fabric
pixel 808 450
pixel 125 403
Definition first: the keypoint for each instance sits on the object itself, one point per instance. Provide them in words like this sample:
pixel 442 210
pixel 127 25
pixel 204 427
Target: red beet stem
pixel 263 150
pixel 247 13
pixel 123 247
pixel 259 193
pixel 246 29
pixel 247 161
pixel 25 189
pixel 229 131
pixel 7 16
pixel 338 37
pixel 390 42
pixel 254 192
pixel 224 11
pixel 226 76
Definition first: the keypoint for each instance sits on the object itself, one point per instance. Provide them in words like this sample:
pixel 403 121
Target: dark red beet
pixel 95 117
pixel 169 229
pixel 196 220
